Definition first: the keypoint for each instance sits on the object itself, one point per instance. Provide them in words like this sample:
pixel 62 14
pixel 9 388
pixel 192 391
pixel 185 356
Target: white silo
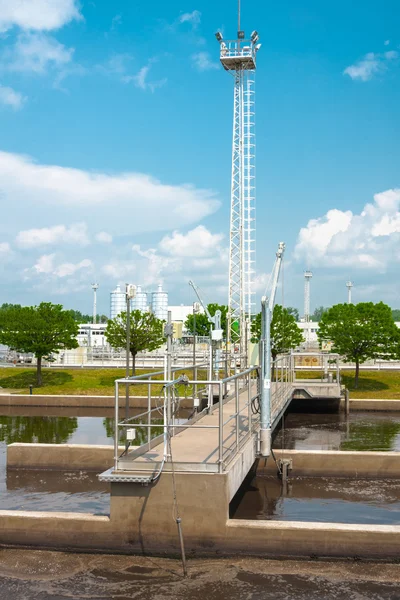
pixel 118 302
pixel 140 300
pixel 159 303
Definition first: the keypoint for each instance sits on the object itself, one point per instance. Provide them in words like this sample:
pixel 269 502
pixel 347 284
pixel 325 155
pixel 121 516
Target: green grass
pixel 80 382
pixel 371 384
pixel 100 382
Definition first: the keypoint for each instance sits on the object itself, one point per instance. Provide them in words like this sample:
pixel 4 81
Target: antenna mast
pixel 238 57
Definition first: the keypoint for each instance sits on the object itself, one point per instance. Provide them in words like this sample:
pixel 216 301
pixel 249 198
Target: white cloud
pixel 202 61
pixel 70 268
pixel 175 259
pixel 104 237
pixel 386 42
pixel 10 97
pixel 261 282
pixel 38 14
pixel 198 242
pixel 372 64
pixel 194 18
pixel 45 266
pixel 115 22
pixel 59 234
pixel 117 64
pixel 44 190
pixel 36 53
pixel 141 78
pixel 4 248
pixel 369 240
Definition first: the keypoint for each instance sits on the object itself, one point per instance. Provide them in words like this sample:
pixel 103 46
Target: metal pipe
pixel 128 349
pixel 194 351
pixel 221 429
pixel 183 555
pixel 149 411
pixel 265 404
pixel 169 368
pixel 249 403
pixel 116 426
pixel 210 374
pixel 237 412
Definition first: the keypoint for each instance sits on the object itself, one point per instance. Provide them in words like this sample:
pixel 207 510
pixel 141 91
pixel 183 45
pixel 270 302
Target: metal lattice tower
pixel 95 287
pixel 307 278
pixel 349 285
pixel 239 58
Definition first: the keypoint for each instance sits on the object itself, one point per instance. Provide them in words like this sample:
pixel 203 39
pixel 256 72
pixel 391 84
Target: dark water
pixel 39 575
pixel 78 491
pixel 360 501
pixel 361 431
pixel 51 490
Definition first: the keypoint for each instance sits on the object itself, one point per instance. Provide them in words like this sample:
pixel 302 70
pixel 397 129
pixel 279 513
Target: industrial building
pixel 156 302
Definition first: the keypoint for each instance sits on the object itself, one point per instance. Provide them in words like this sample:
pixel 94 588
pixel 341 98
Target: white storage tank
pixel 140 300
pixel 159 303
pixel 118 302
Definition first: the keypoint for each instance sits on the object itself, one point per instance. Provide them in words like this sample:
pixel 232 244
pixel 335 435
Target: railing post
pixel 249 403
pixel 149 411
pixel 221 430
pixel 116 426
pixel 237 411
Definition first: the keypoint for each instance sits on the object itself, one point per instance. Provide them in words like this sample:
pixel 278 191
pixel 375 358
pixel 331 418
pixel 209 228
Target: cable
pixel 175 510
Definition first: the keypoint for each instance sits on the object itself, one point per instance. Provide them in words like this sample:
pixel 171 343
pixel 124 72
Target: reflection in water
pixel 320 499
pixel 361 431
pixel 42 430
pixel 52 490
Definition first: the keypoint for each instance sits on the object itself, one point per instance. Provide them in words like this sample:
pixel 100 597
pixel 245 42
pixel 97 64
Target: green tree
pixel 294 312
pixel 42 430
pixel 146 333
pixel 202 324
pixel 318 312
pixel 82 318
pixel 42 330
pixel 396 314
pixel 360 332
pixel 285 333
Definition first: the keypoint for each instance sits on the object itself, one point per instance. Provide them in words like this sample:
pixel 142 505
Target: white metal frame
pixel 239 57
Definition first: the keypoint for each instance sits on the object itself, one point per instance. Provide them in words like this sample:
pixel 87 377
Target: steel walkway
pixel 210 442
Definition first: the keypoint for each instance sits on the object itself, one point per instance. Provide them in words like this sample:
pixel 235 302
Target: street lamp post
pixel 130 293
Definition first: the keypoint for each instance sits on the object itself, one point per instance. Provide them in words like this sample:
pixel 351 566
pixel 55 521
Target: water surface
pixel 326 500
pixel 362 431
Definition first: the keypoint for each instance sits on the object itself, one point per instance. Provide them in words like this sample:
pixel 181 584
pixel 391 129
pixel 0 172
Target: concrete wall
pixel 60 457
pixel 336 463
pixel 79 401
pixel 55 530
pixel 372 404
pixel 276 538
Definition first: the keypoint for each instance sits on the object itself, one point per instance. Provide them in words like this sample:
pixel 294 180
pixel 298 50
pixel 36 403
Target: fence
pixel 234 412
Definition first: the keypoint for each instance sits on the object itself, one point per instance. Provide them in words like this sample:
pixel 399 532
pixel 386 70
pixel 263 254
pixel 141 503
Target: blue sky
pixel 115 148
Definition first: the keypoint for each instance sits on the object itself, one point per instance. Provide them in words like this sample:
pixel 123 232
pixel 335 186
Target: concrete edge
pixel 311 525
pixel 337 463
pixel 64 457
pixel 62 516
pixel 39 400
pixel 373 404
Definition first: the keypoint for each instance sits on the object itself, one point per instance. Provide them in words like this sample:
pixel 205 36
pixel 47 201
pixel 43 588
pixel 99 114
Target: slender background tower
pixel 307 279
pixel 95 287
pixel 349 285
pixel 238 57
